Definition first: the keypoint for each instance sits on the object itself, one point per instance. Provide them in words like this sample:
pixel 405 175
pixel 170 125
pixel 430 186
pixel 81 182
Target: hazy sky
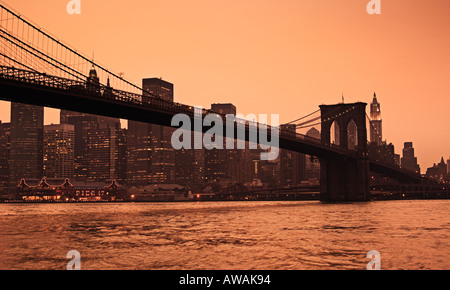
pixel 276 56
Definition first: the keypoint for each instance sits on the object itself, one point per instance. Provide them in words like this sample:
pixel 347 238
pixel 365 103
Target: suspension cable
pixel 303 117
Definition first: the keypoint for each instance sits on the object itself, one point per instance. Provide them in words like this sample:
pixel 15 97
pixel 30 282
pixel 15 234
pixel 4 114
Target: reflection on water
pixel 226 235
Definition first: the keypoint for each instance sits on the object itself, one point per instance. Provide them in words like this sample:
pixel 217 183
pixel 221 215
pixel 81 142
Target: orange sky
pixel 276 56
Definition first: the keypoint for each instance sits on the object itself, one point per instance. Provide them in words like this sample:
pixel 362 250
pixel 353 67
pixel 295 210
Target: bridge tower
pixel 344 177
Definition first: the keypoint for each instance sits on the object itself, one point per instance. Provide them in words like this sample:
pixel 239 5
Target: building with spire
pixel 97 141
pixel 376 133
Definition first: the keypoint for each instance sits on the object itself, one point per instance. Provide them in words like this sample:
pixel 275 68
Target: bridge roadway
pixel 35 88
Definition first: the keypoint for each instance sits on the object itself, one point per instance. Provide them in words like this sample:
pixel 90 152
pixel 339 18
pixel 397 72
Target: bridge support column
pixel 344 179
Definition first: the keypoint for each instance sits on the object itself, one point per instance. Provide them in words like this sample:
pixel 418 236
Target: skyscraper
pixel 158 88
pixel 105 155
pixel 26 139
pixel 409 161
pixel 83 123
pixel 376 133
pixel 151 157
pixel 59 145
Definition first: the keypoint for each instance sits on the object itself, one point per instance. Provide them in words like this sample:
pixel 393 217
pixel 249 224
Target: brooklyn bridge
pixel 37 68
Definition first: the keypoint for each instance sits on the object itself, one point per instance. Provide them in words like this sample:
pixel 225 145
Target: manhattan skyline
pixel 276 57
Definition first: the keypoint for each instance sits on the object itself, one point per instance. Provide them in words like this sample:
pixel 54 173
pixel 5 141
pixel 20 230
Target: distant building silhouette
pixel 26 139
pixel 384 153
pixel 438 171
pixel 313 163
pixel 448 167
pixel 409 161
pixel 292 164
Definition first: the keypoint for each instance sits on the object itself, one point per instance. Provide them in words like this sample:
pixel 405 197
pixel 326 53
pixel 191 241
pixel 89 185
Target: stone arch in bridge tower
pixel 342 115
pixel 335 133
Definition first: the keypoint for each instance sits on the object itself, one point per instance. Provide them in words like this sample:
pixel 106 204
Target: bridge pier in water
pixel 343 177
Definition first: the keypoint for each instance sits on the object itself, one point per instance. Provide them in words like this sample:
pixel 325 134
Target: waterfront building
pixel 63 190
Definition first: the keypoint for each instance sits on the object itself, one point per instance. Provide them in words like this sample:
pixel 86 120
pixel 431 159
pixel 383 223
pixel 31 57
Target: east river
pixel 256 235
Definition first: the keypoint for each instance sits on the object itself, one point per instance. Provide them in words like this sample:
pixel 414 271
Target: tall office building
pixel 409 161
pixel 105 153
pixel 225 108
pixel 122 155
pixel 59 143
pixel 26 139
pixel 151 157
pixel 83 123
pixel 5 129
pixel 292 164
pixel 376 133
pixel 159 88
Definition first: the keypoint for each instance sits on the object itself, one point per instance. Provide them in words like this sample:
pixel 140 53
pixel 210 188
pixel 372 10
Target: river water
pixel 291 235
